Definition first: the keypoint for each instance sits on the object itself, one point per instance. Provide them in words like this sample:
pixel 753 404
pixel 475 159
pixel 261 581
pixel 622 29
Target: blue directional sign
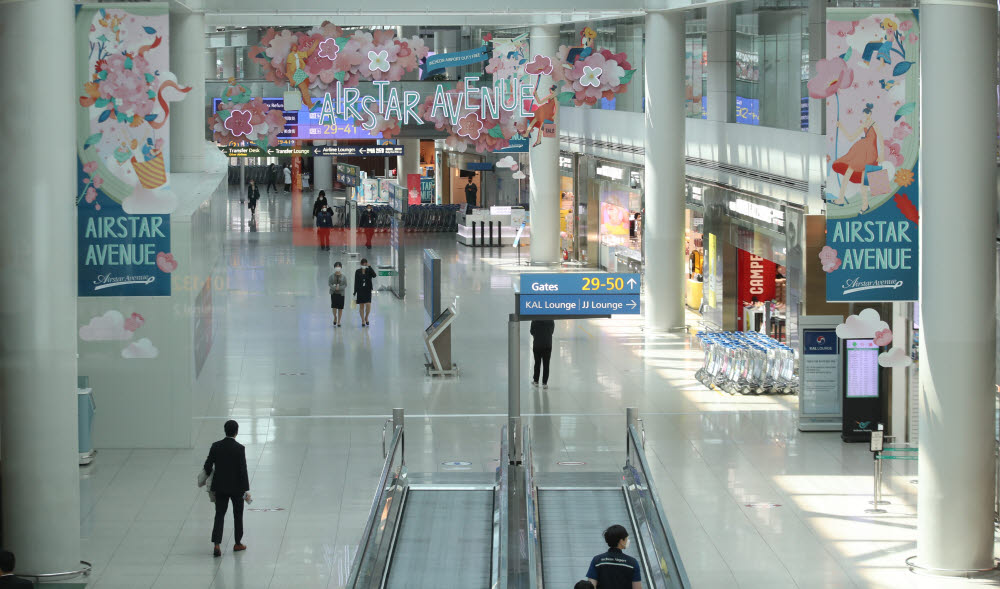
pixel 579 294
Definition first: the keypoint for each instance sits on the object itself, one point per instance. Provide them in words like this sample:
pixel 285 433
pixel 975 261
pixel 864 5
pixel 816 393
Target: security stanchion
pixel 876 446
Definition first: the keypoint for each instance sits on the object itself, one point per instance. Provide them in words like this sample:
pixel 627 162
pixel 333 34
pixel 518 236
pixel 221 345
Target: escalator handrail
pixel 499 575
pixel 535 580
pixel 373 513
pixel 634 441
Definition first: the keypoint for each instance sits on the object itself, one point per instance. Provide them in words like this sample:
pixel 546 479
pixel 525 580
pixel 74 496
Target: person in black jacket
pixel 253 195
pixel 363 284
pixel 271 173
pixel 367 222
pixel 541 333
pixel 324 224
pixel 7 578
pixel 319 204
pixel 230 484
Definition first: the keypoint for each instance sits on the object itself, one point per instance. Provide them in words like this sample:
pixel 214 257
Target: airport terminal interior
pixel 470 285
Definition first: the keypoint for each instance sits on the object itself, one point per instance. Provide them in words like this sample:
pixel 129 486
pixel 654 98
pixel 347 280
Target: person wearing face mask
pixel 363 284
pixel 367 222
pixel 324 224
pixel 338 286
pixel 614 569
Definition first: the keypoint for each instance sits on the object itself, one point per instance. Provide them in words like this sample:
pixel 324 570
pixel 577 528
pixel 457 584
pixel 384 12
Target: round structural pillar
pixel 544 157
pixel 958 213
pixel 188 62
pixel 323 170
pixel 663 226
pixel 39 452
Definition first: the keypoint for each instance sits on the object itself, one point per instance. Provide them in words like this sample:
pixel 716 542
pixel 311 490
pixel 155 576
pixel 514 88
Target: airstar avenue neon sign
pixel 511 96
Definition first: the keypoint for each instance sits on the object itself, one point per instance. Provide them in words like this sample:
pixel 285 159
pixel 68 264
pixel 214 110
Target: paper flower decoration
pixel 166 262
pixel 903 177
pixel 238 123
pixel 539 65
pixel 378 61
pixel 470 126
pixel 883 337
pixel 591 76
pixel 828 258
pixel 328 48
pixel 134 322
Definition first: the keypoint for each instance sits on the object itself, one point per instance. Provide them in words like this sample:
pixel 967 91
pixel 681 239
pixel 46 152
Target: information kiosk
pixel 862 390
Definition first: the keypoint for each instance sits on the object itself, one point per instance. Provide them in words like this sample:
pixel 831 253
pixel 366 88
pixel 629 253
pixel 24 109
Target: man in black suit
pixel 230 484
pixel 7 578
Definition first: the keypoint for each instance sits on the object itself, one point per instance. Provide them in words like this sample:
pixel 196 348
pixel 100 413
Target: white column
pixel 38 416
pixel 958 347
pixel 228 62
pixel 322 171
pixel 409 162
pixel 187 62
pixel 722 63
pixel 544 179
pixel 211 66
pixel 817 51
pixel 663 227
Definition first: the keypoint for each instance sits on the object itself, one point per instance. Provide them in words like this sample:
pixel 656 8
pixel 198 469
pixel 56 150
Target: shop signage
pixel 579 294
pixel 565 162
pixel 516 146
pixel 757 211
pixel 756 282
pixel 437 63
pixel 612 172
pixel 427 190
pixel 348 175
pixel 413 189
pixel 872 196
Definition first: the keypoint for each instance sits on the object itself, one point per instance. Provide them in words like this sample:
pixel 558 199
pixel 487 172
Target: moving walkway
pixel 512 528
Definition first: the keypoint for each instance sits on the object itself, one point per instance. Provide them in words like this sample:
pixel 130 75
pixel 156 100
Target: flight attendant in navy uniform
pixel 614 569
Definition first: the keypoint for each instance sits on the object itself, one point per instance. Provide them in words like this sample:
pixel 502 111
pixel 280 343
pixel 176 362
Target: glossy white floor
pixel 751 500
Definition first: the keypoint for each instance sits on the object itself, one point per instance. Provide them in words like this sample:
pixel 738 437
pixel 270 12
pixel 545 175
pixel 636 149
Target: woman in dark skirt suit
pixel 338 286
pixel 363 277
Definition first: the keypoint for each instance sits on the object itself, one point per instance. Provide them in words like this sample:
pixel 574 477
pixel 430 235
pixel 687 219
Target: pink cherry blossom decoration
pixel 91 194
pixel 539 65
pixel 97 181
pixel 470 126
pixel 883 338
pixel 134 322
pixel 831 76
pixel 90 167
pixel 329 49
pixel 238 123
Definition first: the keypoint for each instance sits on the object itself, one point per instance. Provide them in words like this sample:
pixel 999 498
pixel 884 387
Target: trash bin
pixel 86 407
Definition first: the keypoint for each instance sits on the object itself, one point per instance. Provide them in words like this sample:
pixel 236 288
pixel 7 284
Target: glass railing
pixel 657 545
pixel 373 551
pixel 533 540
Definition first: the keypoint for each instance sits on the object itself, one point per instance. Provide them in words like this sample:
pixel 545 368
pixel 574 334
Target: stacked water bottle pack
pixel 747 363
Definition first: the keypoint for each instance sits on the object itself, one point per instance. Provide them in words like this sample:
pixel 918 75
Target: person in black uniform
pixel 614 569
pixel 271 173
pixel 367 222
pixel 541 345
pixel 230 484
pixel 319 204
pixel 363 277
pixel 470 195
pixel 324 224
pixel 7 578
pixel 253 195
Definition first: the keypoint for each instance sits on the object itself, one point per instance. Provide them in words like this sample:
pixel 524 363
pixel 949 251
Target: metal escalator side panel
pixel 653 574
pixel 444 540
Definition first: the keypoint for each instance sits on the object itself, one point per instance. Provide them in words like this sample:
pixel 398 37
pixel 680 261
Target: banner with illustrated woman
pixel 870 82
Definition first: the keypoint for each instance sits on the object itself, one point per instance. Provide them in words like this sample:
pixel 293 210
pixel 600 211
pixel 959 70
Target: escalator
pixel 452 530
pixel 443 530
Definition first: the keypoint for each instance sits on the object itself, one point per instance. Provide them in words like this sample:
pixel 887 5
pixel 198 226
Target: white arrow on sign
pixel 632 305
pixel 631 282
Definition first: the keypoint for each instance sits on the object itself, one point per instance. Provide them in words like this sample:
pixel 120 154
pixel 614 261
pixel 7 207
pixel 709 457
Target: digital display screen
pixel 306 124
pixel 862 368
